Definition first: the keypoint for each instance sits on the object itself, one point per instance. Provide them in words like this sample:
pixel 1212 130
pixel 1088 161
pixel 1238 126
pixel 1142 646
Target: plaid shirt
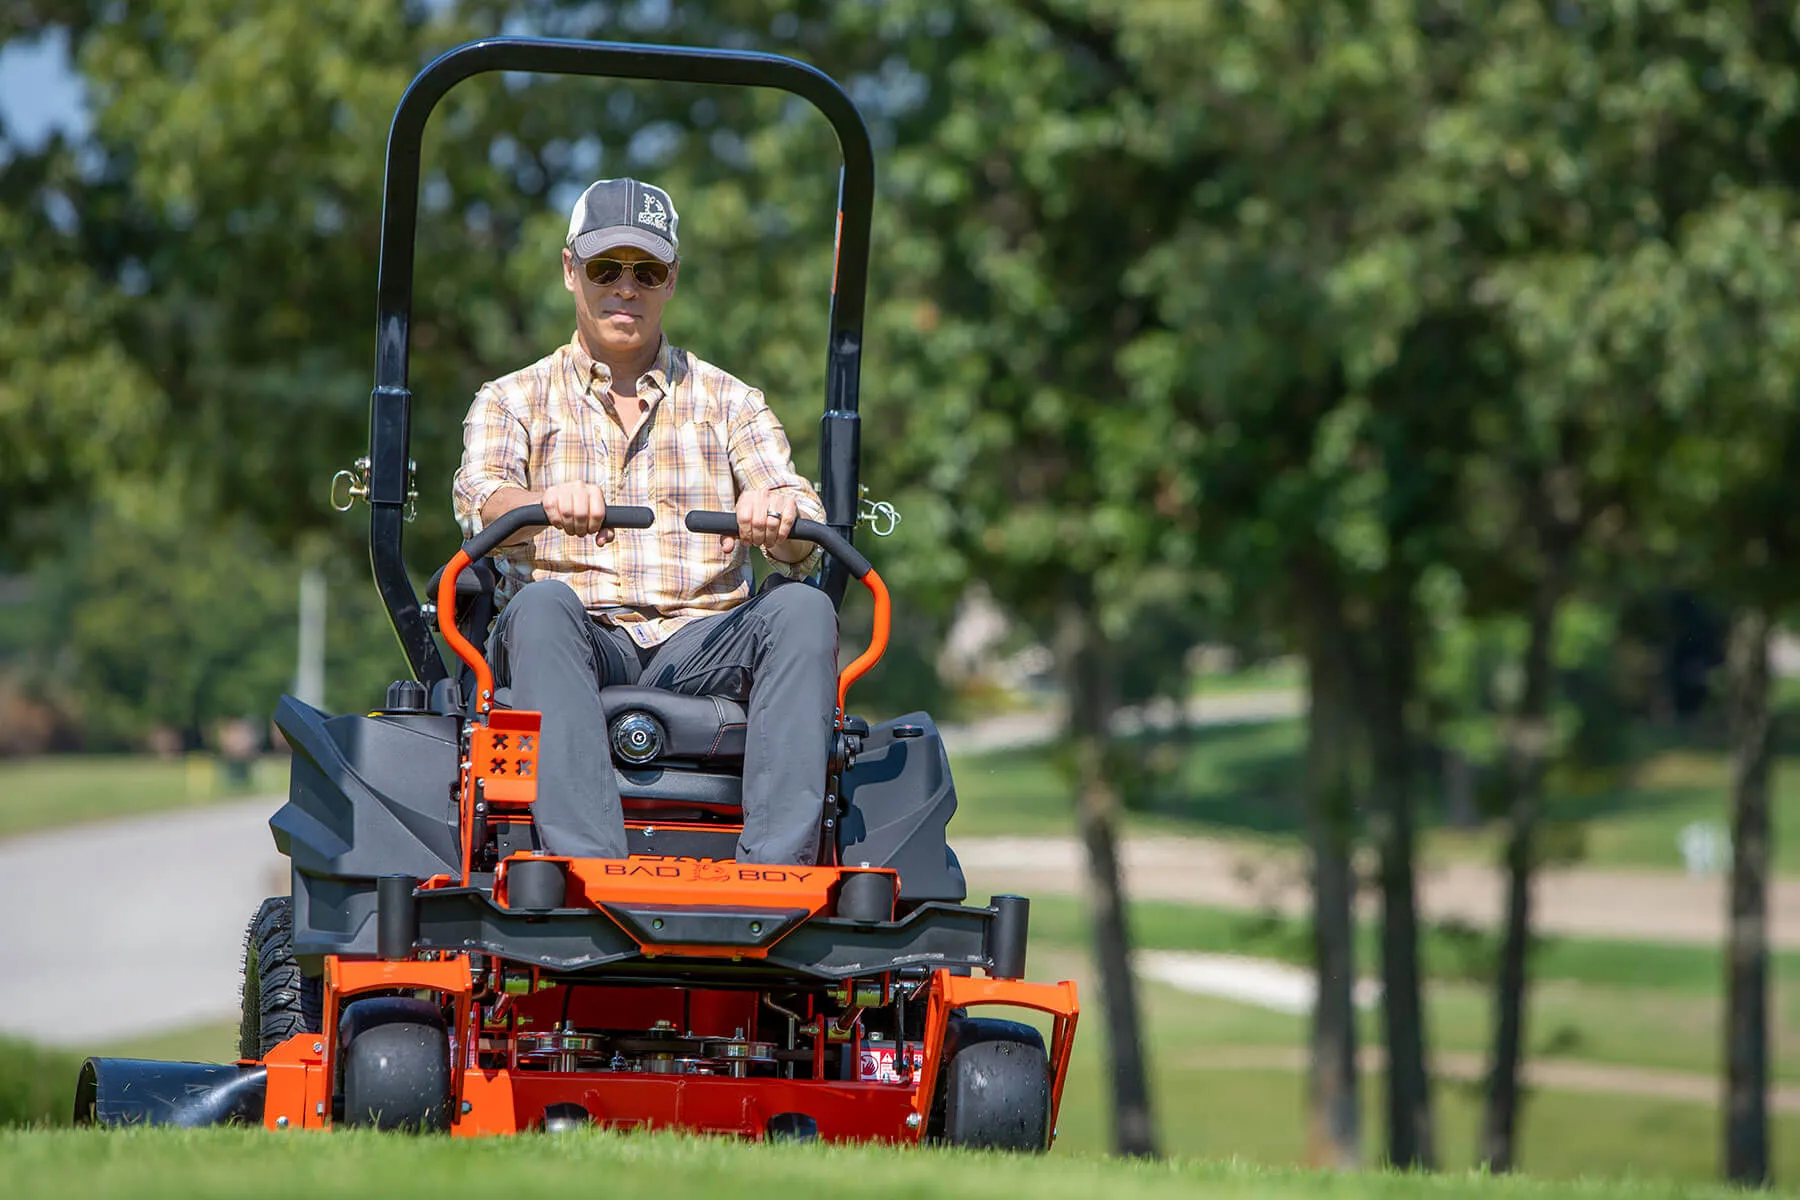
pixel 706 438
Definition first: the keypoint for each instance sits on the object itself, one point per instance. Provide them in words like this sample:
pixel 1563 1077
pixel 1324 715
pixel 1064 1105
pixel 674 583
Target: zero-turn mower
pixel 433 970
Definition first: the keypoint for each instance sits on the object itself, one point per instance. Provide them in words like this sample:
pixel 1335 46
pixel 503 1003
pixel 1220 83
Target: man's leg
pixel 780 647
pixel 556 660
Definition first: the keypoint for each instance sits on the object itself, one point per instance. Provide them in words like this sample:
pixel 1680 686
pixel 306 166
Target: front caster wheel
pixel 994 1089
pixel 397 1076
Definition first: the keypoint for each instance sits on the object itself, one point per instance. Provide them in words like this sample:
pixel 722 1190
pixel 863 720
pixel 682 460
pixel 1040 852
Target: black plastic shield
pixel 139 1091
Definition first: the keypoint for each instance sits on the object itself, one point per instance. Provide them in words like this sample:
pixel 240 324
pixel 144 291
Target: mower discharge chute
pixel 434 970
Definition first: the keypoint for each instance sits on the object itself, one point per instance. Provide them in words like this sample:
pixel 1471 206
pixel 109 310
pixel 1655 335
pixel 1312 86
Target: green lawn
pixel 1244 781
pixel 1274 674
pixel 42 793
pixel 1204 1112
pixel 1448 954
pixel 233 1163
pixel 1615 1003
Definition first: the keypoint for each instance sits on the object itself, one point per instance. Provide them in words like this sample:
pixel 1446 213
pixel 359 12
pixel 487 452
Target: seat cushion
pixel 702 730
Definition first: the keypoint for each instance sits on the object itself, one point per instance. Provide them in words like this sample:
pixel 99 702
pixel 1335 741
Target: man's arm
pixel 772 495
pixel 495 475
pixel 574 508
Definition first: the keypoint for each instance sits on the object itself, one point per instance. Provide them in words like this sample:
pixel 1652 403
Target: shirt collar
pixel 590 370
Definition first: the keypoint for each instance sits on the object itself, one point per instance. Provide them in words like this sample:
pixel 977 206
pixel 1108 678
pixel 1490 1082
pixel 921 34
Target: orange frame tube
pixel 463 648
pixel 878 637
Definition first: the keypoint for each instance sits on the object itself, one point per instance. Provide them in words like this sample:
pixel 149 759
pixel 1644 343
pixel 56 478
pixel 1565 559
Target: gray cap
pixel 623 212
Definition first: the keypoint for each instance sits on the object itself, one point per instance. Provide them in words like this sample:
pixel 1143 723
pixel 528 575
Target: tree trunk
pixel 1334 1101
pixel 1088 678
pixel 1389 673
pixel 1528 739
pixel 1747 952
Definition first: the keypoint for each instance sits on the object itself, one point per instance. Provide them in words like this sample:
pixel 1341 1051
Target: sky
pixel 39 94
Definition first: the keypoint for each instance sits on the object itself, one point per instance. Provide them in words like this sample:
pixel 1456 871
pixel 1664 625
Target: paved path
pixel 1649 906
pixel 131 927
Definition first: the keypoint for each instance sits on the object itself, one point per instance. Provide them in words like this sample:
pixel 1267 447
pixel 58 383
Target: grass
pixel 1591 1001
pixel 1205 1116
pixel 1276 674
pixel 1447 954
pixel 1224 780
pixel 1204 1113
pixel 1244 782
pixel 37 1084
pixel 45 793
pixel 232 1163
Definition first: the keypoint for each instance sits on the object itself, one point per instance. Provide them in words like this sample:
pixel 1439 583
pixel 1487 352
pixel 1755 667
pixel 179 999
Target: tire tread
pixel 279 1001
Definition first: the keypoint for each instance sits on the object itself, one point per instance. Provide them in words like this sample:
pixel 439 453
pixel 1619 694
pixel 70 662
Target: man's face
pixel 621 317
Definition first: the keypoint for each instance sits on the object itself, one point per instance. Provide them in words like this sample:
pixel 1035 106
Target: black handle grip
pixel 618 516
pixel 830 540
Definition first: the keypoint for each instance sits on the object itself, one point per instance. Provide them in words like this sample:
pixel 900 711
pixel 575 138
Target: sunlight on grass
pixel 44 793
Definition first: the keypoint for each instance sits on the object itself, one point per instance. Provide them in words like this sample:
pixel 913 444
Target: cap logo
pixel 654 214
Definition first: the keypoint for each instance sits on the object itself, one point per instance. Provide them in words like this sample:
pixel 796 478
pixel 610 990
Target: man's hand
pixel 765 518
pixel 577 509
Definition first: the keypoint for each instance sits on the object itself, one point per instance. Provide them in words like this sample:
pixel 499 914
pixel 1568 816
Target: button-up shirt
pixel 706 438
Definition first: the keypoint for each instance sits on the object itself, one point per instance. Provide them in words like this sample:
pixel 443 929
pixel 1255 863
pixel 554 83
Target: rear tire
pixel 993 1089
pixel 398 1077
pixel 278 1000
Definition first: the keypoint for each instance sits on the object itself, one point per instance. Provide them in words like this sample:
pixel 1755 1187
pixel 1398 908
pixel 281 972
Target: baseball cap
pixel 623 212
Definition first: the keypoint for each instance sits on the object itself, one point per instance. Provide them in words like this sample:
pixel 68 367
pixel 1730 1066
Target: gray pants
pixel 776 653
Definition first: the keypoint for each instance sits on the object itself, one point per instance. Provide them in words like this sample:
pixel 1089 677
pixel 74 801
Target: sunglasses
pixel 648 272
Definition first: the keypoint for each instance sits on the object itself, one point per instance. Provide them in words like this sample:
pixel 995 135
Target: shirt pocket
pixel 700 470
pixel 560 455
pixel 695 474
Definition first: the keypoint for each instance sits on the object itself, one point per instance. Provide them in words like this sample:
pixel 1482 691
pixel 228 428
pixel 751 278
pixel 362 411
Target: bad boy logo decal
pixel 653 214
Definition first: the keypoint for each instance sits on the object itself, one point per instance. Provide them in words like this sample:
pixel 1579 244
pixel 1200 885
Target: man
pixel 620 416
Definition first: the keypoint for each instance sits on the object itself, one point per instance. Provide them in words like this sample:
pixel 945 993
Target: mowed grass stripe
pixel 194 1165
pixel 1445 953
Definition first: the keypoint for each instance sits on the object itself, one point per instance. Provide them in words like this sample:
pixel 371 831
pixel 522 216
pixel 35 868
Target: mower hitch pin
pixel 355 481
pixel 353 484
pixel 879 515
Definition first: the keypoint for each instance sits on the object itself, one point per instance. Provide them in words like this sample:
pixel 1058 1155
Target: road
pixel 134 927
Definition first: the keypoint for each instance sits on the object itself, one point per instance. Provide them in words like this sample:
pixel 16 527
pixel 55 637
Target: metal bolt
pixel 281 1122
pixel 912 1120
pixel 467 1107
pixel 649 831
pixel 318 1047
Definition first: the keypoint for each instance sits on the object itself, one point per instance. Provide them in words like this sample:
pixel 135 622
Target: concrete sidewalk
pixel 1624 905
pixel 132 927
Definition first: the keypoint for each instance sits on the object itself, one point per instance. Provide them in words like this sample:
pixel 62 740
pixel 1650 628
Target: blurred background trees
pixel 1442 345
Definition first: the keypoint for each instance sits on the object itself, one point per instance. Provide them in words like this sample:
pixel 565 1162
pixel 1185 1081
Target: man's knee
pixel 544 612
pixel 801 614
pixel 545 600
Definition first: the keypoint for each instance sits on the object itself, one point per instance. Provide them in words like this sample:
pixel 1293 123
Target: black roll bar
pixel 390 404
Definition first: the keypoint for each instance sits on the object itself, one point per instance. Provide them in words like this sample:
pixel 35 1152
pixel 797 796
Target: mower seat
pixel 651 727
